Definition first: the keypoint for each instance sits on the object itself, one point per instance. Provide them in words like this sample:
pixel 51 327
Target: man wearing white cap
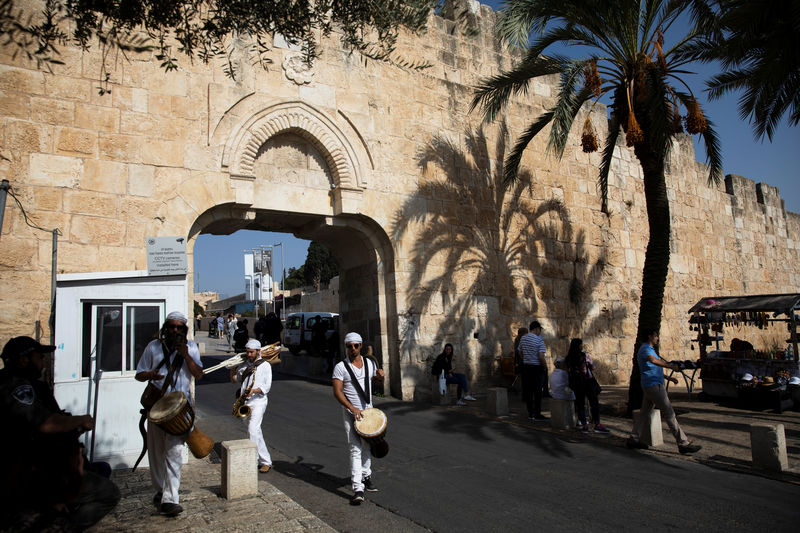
pixel 353 403
pixel 173 356
pixel 256 380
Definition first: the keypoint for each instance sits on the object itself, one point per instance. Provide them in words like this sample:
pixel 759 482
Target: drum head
pixel 168 406
pixel 372 423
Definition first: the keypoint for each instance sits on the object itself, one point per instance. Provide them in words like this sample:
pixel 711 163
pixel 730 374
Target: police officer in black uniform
pixel 46 483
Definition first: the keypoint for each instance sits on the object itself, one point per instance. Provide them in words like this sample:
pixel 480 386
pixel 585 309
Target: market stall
pixel 764 371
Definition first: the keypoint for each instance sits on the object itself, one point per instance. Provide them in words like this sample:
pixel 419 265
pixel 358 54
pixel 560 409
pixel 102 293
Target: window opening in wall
pixel 116 333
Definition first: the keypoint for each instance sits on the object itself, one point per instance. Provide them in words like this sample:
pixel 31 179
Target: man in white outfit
pixel 164 450
pixel 353 403
pixel 255 374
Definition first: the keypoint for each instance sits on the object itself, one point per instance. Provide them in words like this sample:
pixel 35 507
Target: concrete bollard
pixel 239 469
pixel 651 429
pixel 768 446
pixel 562 414
pixel 436 397
pixel 497 401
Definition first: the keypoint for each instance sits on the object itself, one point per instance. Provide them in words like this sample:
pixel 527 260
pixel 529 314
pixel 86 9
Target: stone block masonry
pixel 389 169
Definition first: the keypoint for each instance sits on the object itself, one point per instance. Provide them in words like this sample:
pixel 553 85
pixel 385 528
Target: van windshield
pixel 326 321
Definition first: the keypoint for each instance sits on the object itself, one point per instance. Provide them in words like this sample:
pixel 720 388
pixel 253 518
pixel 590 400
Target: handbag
pixel 150 396
pixel 442 384
pixel 594 386
pixel 151 393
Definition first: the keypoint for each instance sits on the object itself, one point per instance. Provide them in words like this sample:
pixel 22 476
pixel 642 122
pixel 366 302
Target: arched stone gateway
pixel 247 127
pixel 363 253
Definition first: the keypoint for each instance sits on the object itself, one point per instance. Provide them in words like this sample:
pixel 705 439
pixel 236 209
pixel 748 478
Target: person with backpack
pixel 580 369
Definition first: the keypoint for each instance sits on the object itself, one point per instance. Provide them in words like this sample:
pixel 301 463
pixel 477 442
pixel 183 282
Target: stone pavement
pixel 722 429
pixel 204 510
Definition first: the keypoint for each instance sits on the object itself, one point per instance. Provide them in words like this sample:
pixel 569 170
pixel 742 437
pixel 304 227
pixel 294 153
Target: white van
pixel 299 326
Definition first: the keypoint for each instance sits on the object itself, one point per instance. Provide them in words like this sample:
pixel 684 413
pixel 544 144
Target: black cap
pixel 535 325
pixel 19 346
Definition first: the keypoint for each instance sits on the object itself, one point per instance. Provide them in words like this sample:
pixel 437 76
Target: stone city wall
pixel 392 157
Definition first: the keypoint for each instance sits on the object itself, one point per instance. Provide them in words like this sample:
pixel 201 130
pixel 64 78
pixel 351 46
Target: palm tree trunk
pixel 656 260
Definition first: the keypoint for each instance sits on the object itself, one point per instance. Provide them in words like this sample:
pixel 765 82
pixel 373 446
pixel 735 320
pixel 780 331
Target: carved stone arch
pixel 245 141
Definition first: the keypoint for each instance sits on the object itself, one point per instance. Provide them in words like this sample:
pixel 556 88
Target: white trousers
pixel 360 458
pixel 164 451
pixel 255 432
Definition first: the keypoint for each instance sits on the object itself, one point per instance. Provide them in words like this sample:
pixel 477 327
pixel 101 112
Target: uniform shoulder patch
pixel 24 394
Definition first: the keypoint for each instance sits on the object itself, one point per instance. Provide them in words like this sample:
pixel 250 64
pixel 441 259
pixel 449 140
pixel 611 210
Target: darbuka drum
pixel 174 414
pixel 372 428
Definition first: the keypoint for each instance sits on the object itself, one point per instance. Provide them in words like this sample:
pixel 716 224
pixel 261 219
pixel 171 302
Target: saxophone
pixel 240 410
pixel 269 354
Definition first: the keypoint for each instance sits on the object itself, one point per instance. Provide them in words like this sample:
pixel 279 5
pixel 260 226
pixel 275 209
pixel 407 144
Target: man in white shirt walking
pixel 353 403
pixel 255 375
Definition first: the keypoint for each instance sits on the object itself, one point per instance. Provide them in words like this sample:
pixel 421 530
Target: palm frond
pixel 492 94
pixel 605 165
pixel 511 165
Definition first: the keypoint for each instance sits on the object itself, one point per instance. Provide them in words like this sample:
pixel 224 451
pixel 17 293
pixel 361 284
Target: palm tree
pixel 627 61
pixel 758 45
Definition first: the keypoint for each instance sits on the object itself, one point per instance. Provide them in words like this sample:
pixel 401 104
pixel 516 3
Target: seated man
pixel 49 485
pixel 559 383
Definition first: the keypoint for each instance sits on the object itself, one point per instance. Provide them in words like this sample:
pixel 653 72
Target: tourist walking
pixel 652 368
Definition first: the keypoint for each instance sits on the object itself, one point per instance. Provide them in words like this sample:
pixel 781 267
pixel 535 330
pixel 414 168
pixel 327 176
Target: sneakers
pixel 357 498
pixel 170 509
pixel 689 448
pixel 470 398
pixel 264 468
pixel 584 429
pixel 635 444
pixel 540 418
pixel 600 428
pixel 369 485
pixel 461 403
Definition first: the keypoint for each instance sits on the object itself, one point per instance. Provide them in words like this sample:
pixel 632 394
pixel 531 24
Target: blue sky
pixel 219 263
pixel 219 259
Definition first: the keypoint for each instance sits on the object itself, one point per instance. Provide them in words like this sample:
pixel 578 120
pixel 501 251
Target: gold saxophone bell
pixel 242 412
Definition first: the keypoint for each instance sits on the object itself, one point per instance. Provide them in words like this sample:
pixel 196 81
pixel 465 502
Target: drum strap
pixel 250 371
pixel 173 367
pixel 366 396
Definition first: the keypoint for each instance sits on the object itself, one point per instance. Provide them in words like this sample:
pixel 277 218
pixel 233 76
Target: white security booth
pixel 104 320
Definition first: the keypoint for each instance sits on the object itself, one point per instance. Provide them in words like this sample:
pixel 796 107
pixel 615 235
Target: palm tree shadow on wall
pixel 486 257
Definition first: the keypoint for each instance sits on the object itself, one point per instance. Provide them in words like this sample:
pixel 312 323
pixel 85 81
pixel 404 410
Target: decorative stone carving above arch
pixel 256 126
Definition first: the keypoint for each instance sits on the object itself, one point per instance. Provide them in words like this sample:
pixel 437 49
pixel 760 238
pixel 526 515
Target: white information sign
pixel 166 255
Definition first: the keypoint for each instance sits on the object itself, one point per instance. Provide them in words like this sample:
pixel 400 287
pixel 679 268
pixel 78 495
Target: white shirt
pixel 559 381
pixel 151 358
pixel 350 392
pixel 260 379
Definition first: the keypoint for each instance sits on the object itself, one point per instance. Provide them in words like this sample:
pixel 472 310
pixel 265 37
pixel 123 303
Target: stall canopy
pixel 770 303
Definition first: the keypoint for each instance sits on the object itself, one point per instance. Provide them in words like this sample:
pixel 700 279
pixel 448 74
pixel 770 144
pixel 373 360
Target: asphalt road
pixel 449 470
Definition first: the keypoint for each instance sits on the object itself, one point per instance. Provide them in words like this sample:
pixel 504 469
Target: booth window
pixel 116 333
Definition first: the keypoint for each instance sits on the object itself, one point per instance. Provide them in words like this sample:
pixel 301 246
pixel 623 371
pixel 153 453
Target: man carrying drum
pixel 255 375
pixel 347 394
pixel 171 350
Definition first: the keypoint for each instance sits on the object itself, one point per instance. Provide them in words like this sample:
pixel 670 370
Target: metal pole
pixel 53 267
pixel 97 373
pixel 4 185
pixel 283 284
